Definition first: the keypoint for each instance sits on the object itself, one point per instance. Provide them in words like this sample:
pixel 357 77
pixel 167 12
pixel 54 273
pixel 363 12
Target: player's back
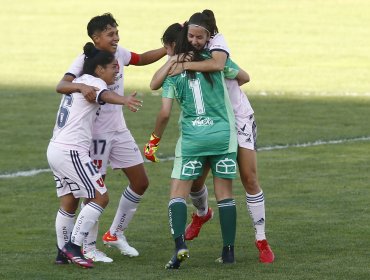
pixel 207 120
pixel 76 116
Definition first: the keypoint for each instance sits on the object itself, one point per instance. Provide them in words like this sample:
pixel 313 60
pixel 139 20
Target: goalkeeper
pixel 207 137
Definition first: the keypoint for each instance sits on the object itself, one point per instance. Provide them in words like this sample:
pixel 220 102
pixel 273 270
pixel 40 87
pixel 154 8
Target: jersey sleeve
pixel 75 69
pixel 123 56
pixel 231 69
pixel 218 43
pixel 168 88
pixel 102 86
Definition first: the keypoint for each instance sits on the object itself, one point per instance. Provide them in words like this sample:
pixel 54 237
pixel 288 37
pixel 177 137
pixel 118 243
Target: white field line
pixel 268 148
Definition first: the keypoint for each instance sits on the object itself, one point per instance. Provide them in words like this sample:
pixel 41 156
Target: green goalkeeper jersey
pixel 206 123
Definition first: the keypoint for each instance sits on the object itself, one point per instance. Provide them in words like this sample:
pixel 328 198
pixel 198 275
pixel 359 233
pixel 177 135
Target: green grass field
pixel 309 64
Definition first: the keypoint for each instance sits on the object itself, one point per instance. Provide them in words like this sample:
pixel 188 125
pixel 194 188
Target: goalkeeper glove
pixel 151 147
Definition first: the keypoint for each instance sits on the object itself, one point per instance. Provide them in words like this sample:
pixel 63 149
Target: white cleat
pixel 98 256
pixel 120 242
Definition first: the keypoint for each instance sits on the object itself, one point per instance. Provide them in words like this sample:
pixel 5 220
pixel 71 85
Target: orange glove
pixel 151 147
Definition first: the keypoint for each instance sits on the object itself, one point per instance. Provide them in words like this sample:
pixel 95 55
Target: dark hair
pixel 183 46
pixel 100 23
pixel 205 19
pixel 171 33
pixel 95 57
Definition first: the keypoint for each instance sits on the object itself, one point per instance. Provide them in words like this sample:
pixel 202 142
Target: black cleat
pixel 61 258
pixel 181 254
pixel 227 256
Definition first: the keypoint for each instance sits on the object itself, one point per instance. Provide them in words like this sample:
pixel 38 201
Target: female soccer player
pixel 203 34
pixel 68 155
pixel 205 112
pixel 112 141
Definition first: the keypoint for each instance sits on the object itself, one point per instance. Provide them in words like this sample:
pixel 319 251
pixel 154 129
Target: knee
pixel 251 185
pixel 105 200
pixel 140 186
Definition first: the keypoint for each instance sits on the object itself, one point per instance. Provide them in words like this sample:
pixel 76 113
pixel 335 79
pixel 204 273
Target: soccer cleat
pixel 177 258
pixel 120 242
pixel 61 258
pixel 193 229
pixel 73 253
pixel 227 256
pixel 98 256
pixel 266 254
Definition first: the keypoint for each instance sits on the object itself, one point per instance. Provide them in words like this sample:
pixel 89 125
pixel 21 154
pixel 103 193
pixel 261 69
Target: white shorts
pixel 118 149
pixel 247 132
pixel 74 172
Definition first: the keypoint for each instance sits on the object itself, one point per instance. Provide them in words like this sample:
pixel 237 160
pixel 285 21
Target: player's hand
pixel 132 103
pixel 177 63
pixel 151 147
pixel 176 69
pixel 89 92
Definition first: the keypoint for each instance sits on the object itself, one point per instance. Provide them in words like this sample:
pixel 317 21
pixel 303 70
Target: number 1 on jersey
pixel 197 95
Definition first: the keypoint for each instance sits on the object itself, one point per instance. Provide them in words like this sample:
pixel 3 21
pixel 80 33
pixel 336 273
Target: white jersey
pixel 239 101
pixel 75 117
pixel 111 117
pixel 218 43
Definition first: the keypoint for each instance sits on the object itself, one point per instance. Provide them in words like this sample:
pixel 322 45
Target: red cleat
pixel 193 229
pixel 74 254
pixel 266 254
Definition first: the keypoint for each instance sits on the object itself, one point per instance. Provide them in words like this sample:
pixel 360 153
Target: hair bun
pixel 90 50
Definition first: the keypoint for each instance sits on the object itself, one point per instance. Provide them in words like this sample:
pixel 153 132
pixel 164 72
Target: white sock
pixel 85 221
pixel 126 209
pixel 256 208
pixel 200 201
pixel 90 240
pixel 64 223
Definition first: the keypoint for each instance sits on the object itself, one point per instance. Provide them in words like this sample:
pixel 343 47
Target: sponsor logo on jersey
pixel 118 77
pixel 202 121
pixel 114 88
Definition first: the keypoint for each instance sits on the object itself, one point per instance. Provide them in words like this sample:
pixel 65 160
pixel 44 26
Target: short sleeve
pixel 168 88
pixel 76 67
pixel 231 69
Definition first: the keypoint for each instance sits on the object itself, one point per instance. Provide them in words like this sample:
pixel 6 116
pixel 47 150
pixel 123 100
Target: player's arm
pixel 160 125
pixel 163 116
pixel 65 86
pixel 130 101
pixel 149 57
pixel 172 63
pixel 242 77
pixel 216 63
pixel 161 74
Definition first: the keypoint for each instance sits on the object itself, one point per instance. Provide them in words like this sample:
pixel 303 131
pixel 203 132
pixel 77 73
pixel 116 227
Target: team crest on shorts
pixel 100 182
pixel 191 168
pixel 226 166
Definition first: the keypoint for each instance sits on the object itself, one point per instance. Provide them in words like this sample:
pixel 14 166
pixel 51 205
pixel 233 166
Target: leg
pixel 89 245
pixel 180 190
pixel 64 223
pixel 227 212
pixel 85 221
pixel 247 161
pixel 199 197
pixel 127 207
